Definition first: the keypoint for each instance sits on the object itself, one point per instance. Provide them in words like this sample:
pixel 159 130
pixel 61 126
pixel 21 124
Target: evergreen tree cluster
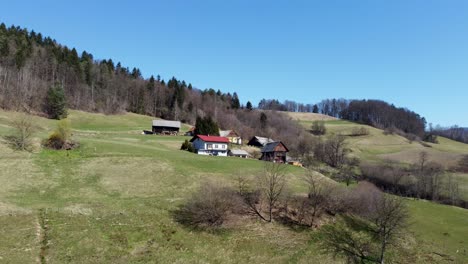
pixel 206 126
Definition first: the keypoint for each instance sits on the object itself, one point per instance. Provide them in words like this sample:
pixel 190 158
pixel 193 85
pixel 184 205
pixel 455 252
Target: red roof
pixel 212 139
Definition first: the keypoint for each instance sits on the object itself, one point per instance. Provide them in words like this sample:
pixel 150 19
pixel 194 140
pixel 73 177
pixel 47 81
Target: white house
pixel 210 145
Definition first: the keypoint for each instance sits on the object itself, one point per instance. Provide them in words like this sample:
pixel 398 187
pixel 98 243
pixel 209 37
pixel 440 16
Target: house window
pixel 216 146
pixel 209 146
pixel 224 146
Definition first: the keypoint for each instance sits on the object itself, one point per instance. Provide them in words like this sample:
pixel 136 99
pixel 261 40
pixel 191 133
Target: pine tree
pixel 235 103
pixel 315 109
pixel 150 85
pixel 55 102
pixel 249 105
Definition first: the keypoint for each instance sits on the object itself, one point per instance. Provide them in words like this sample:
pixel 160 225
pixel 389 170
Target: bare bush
pixel 359 131
pixel 463 164
pixel 365 235
pixel 208 207
pixel 318 128
pixel 24 129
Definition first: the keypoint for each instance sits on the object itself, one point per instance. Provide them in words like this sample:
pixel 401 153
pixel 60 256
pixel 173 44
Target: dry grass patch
pixel 310 116
pixel 142 177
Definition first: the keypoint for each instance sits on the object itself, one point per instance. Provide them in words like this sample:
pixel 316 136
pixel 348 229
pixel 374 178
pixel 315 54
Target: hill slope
pixel 111 201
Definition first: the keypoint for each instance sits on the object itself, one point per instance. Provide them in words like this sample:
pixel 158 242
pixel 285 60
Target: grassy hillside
pixel 112 200
pixel 378 147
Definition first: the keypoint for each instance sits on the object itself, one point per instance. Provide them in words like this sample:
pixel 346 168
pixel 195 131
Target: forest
pixel 32 64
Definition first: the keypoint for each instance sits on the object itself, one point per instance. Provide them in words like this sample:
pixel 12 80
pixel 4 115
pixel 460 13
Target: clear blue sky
pixel 413 53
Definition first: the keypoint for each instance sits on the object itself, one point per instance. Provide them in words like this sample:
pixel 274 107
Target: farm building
pixel 275 152
pixel 210 145
pixel 259 141
pixel 239 153
pixel 166 127
pixel 233 137
pixel 190 132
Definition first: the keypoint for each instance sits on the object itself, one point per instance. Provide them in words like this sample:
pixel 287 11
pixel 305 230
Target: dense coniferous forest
pixel 30 64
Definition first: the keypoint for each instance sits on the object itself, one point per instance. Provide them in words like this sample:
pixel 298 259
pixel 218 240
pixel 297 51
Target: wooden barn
pixel 275 152
pixel 166 127
pixel 259 142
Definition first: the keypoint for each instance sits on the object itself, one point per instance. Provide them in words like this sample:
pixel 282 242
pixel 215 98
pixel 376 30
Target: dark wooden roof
pixel 274 146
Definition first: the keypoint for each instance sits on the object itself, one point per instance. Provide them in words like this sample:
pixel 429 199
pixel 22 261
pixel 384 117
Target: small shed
pixel 275 152
pixel 239 153
pixel 259 141
pixel 166 127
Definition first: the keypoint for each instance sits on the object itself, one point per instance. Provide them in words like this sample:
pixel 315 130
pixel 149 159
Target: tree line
pixel 375 113
pixel 35 71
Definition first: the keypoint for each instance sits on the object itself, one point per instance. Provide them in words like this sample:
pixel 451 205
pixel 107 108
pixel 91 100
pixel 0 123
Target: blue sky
pixel 413 53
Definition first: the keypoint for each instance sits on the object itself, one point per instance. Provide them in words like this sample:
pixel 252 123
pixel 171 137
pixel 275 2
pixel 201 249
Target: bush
pixel 208 207
pixel 463 164
pixel 318 128
pixel 61 137
pixel 187 146
pixel 21 139
pixel 359 131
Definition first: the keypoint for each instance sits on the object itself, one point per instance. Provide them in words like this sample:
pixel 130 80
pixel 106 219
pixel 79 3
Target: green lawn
pixel 112 200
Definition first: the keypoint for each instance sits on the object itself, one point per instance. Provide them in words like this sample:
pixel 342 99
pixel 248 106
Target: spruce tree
pixel 206 126
pixel 235 103
pixel 249 105
pixel 150 85
pixel 55 102
pixel 315 109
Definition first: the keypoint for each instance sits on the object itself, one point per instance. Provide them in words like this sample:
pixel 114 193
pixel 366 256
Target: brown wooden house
pixel 275 152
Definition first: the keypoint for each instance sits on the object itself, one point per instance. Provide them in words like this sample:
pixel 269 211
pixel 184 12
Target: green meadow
pixel 112 201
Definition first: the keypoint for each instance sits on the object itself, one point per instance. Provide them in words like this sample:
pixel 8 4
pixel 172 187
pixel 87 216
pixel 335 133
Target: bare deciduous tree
pixel 365 235
pixel 332 151
pixel 389 218
pixel 265 195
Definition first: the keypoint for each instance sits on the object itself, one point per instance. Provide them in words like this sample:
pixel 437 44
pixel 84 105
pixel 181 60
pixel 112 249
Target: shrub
pixel 24 129
pixel 318 128
pixel 359 131
pixel 463 164
pixel 61 137
pixel 208 207
pixel 187 146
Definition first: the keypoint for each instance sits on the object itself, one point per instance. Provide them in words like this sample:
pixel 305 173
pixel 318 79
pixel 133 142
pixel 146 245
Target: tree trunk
pixel 382 250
